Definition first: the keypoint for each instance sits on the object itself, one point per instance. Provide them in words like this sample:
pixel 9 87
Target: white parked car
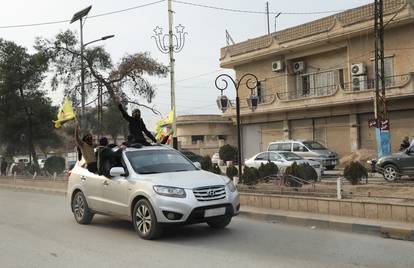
pixel 282 160
pixel 154 186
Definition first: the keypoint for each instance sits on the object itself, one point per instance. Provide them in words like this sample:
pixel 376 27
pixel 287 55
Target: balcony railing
pixel 361 84
pixel 308 93
pixel 264 100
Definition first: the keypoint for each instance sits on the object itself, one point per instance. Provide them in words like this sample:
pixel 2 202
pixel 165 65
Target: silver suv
pixel 392 167
pixel 154 186
pixel 311 150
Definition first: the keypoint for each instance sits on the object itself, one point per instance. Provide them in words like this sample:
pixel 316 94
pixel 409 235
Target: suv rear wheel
pixel 391 173
pixel 80 209
pixel 145 221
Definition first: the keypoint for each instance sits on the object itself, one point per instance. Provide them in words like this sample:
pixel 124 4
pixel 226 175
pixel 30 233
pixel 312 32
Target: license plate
pixel 214 212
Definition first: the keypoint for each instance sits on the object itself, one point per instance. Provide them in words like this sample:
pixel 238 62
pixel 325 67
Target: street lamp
pixel 175 44
pixel 222 102
pixel 100 39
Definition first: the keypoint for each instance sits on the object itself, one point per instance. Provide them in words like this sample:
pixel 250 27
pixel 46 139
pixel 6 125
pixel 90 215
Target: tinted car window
pixel 273 147
pixel 285 147
pixel 262 157
pixel 274 157
pixel 313 145
pixel 289 156
pixel 158 161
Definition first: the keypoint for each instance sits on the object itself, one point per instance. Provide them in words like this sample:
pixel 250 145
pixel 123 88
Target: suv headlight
pixel 169 191
pixel 231 186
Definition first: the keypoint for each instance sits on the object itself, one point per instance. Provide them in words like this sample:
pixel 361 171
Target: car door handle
pixel 83 178
pixel 105 183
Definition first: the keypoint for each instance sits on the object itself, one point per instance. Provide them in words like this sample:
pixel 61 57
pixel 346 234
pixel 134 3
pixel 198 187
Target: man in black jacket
pixel 136 125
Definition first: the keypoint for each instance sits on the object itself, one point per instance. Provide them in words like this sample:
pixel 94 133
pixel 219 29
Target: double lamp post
pixel 223 102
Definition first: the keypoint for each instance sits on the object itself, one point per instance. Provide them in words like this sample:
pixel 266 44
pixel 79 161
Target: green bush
pixel 228 153
pixel 303 171
pixel 55 164
pixel 231 171
pixel 206 163
pixel 215 169
pixel 250 176
pixel 354 172
pixel 269 169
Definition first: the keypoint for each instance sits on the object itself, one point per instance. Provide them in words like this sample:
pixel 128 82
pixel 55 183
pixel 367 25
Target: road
pixel 38 230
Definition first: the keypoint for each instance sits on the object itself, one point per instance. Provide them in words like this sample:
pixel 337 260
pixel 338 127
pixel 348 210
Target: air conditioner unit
pixel 358 69
pixel 298 67
pixel 359 83
pixel 277 66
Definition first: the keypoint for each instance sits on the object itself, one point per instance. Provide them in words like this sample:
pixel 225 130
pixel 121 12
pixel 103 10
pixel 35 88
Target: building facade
pixel 317 80
pixel 204 134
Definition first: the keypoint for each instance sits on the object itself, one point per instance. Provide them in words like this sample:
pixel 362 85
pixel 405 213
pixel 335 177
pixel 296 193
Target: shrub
pixel 215 169
pixel 231 171
pixel 206 163
pixel 228 153
pixel 250 176
pixel 303 171
pixel 354 172
pixel 268 169
pixel 55 164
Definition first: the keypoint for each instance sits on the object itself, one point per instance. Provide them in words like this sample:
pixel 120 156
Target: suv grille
pixel 210 193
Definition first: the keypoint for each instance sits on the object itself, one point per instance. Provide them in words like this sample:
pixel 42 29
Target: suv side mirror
pixel 117 171
pixel 197 164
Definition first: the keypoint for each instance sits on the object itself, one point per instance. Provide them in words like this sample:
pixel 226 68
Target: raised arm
pixel 147 132
pixel 125 115
pixel 78 140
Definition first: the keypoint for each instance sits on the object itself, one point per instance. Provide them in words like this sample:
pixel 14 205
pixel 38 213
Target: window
pixel 262 157
pixel 274 157
pixel 280 147
pixel 260 91
pixel 273 147
pixel 388 70
pixel 297 147
pixel 222 137
pixel 319 84
pixel 196 138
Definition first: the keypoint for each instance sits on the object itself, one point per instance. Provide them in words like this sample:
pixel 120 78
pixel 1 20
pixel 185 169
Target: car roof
pixel 148 148
pixel 282 141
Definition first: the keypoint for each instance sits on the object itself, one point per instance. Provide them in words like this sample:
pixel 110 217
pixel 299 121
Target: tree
pixel 26 113
pixel 126 76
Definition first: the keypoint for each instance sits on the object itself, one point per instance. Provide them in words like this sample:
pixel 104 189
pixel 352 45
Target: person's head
pixel 88 139
pixel 103 141
pixel 136 113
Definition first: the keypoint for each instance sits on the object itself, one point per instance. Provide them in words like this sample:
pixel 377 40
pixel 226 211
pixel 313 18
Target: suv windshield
pixel 290 156
pixel 158 161
pixel 313 145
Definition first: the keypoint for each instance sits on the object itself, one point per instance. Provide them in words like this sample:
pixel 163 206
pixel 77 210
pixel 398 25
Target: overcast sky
pixel 197 64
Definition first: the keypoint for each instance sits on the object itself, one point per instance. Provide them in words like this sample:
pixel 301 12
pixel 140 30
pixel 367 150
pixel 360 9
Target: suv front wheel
pixel 391 173
pixel 145 221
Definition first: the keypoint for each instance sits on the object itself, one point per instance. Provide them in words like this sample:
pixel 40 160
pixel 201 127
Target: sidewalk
pixel 388 229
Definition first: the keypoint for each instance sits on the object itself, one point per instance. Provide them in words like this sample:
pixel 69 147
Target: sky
pixel 197 65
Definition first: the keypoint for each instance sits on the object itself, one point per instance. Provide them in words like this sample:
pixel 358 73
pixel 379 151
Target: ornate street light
pixel 251 83
pixel 175 44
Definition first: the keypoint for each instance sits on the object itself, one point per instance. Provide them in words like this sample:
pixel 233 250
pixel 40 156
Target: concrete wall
pixel 348 208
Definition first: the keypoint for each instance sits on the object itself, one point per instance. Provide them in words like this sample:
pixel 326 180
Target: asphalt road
pixel 38 230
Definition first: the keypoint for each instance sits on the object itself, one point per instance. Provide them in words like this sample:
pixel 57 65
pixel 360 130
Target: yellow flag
pixel 65 113
pixel 163 126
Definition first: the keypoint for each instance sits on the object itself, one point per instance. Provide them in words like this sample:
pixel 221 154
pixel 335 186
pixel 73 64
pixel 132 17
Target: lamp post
pixel 175 44
pixel 223 101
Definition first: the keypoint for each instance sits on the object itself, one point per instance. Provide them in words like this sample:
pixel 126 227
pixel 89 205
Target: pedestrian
pixel 136 125
pixel 3 167
pixel 405 143
pixel 86 146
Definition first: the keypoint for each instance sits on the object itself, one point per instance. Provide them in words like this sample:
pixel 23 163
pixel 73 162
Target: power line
pixel 252 11
pixel 94 16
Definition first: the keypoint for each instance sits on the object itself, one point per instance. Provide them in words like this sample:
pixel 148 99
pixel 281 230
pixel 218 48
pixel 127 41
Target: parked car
pixel 215 158
pixel 311 150
pixel 392 167
pixel 154 187
pixel 192 156
pixel 282 160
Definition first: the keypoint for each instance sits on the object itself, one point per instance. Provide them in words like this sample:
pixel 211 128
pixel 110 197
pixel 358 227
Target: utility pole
pixel 380 106
pixel 172 73
pixel 267 15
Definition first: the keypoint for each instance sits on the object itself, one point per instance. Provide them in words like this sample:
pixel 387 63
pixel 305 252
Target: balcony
pixel 361 85
pixel 317 92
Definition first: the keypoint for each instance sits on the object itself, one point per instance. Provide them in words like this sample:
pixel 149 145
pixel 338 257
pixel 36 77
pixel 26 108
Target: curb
pixel 33 189
pixel 400 233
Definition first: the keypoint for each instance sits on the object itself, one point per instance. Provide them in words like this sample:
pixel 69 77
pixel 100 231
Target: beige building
pixel 204 134
pixel 317 80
